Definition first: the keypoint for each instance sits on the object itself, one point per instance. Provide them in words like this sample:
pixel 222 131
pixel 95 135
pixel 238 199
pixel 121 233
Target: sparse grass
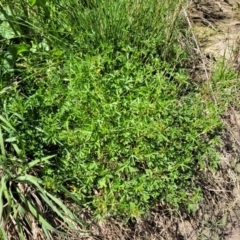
pixel 226 85
pixel 101 87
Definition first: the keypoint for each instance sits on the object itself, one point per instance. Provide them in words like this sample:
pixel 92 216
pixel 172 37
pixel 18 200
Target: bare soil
pixel 217 26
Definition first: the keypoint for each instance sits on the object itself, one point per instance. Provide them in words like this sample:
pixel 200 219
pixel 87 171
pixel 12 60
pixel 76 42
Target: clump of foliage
pixel 101 86
pixel 22 196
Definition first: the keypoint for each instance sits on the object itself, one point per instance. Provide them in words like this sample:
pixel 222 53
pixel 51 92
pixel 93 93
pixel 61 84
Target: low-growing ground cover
pixel 97 106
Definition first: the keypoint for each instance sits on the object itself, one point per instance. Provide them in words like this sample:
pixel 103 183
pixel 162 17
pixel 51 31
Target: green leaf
pixel 57 52
pixel 11 139
pixel 32 2
pixel 9 59
pixel 6 32
pixel 22 47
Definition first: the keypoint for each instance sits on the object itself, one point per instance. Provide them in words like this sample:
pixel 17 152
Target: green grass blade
pixel 4 234
pixel 1 202
pixel 30 179
pixel 52 206
pixel 3 189
pixel 46 232
pixel 6 193
pixel 39 217
pixel 35 162
pixel 17 150
pixel 66 210
pixel 16 212
pixel 62 206
pixel 34 212
pixel 7 123
pixel 48 199
pixel 2 144
pixel 68 193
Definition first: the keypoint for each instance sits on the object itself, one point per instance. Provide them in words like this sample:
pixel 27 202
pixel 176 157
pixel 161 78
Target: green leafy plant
pixel 102 87
pixel 23 199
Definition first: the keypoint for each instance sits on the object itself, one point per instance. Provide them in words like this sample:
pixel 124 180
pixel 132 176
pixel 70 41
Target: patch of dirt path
pixel 217 27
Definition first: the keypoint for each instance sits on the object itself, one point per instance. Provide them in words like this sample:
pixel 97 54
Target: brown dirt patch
pixel 217 27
